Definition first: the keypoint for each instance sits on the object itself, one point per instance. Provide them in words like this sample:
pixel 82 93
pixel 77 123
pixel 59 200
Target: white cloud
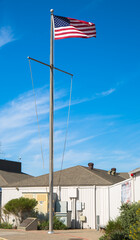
pixel 82 140
pixel 19 131
pixel 106 93
pixel 74 157
pixel 96 96
pixel 6 35
pixel 21 111
pixel 102 158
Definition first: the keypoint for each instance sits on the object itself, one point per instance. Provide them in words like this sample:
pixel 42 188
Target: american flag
pixel 65 27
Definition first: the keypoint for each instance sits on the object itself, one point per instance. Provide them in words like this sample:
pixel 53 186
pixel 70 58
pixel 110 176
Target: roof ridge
pixel 95 174
pixel 96 169
pixel 57 171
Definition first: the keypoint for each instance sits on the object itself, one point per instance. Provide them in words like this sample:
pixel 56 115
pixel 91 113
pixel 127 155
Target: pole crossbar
pixel 50 66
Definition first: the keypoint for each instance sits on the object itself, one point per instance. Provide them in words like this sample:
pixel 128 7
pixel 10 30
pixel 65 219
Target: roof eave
pixel 134 171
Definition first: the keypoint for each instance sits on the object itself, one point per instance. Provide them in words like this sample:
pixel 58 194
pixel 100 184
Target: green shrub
pixel 5 225
pixel 113 230
pixel 113 225
pixel 44 225
pixel 135 228
pixel 126 226
pixel 104 237
pixel 128 216
pixel 117 235
pixel 20 207
pixel 57 225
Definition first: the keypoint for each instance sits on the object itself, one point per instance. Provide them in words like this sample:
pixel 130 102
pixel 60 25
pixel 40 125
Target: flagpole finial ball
pixel 51 11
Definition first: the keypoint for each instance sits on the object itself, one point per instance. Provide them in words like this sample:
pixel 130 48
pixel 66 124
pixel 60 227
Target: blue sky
pixel 104 125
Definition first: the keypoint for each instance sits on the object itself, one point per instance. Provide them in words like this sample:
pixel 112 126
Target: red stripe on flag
pixel 76 28
pixel 72 28
pixel 75 36
pixel 74 33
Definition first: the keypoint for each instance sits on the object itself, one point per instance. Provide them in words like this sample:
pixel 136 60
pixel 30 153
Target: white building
pixel 93 195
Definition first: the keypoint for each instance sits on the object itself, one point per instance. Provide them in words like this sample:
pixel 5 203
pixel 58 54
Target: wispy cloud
pixel 19 132
pixel 102 158
pixel 6 35
pixel 122 160
pixel 82 140
pixel 74 157
pixel 95 96
pixel 106 93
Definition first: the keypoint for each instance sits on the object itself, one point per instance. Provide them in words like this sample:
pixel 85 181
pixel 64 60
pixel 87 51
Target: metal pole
pixel 51 132
pixel 49 66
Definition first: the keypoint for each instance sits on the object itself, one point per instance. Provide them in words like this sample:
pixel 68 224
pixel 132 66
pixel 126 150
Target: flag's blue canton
pixel 61 21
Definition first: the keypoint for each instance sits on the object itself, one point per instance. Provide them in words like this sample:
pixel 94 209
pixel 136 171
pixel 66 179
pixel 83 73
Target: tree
pixel 20 207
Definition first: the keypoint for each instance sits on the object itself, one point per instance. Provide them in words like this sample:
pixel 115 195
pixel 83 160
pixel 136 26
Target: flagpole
pixel 51 132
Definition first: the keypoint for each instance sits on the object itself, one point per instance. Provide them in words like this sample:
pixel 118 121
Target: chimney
pixel 113 170
pixel 90 166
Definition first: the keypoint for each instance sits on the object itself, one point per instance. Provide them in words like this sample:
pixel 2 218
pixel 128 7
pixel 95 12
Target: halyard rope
pixel 66 132
pixel 65 141
pixel 36 113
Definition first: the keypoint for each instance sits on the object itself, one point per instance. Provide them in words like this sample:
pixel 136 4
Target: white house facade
pixel 89 205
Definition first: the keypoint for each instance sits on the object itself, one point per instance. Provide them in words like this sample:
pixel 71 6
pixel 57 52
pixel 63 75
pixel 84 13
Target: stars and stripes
pixel 65 27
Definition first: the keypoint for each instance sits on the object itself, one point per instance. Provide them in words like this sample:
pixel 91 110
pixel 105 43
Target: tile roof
pixel 125 175
pixel 74 176
pixel 8 178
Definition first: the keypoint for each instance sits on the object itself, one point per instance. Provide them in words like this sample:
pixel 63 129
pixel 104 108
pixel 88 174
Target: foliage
pixel 113 231
pixel 43 225
pixel 20 207
pixel 135 228
pixel 103 237
pixel 128 216
pixel 126 226
pixel 5 225
pixel 117 235
pixel 57 225
pixel 113 225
